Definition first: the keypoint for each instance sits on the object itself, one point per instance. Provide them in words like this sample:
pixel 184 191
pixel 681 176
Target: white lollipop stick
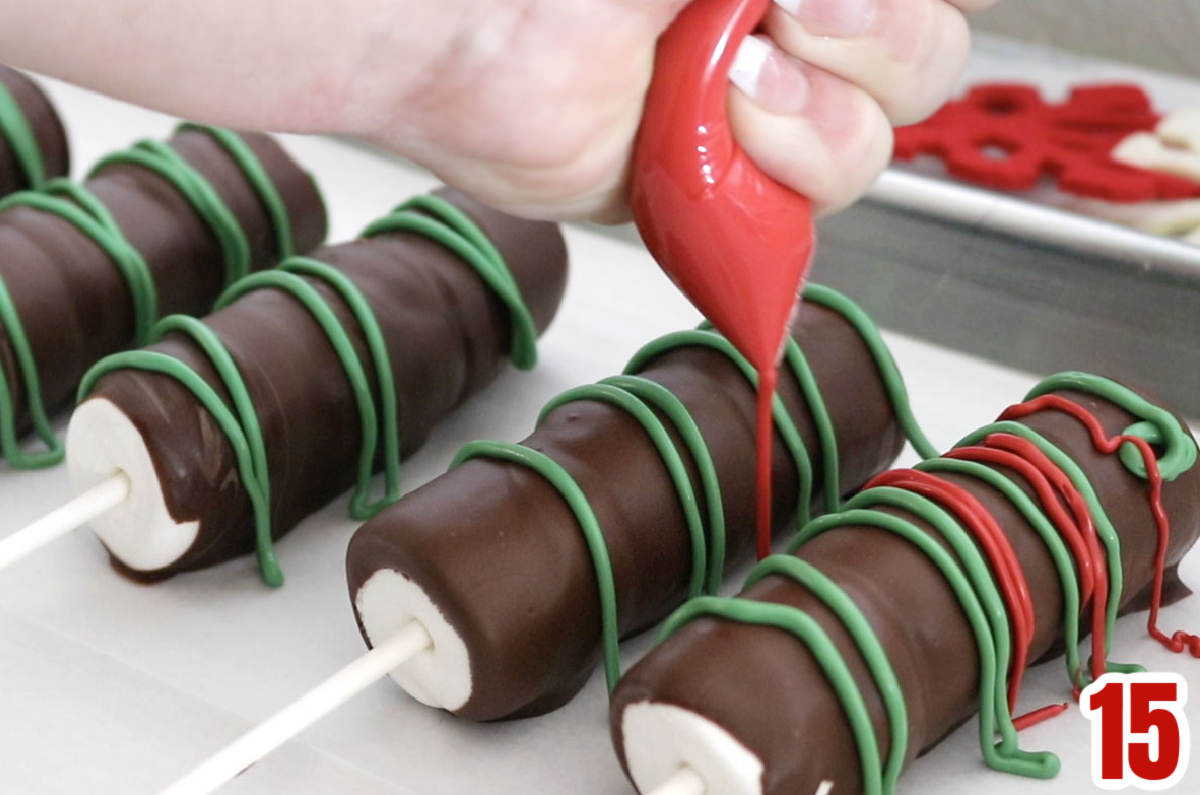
pixel 264 738
pixel 99 499
pixel 685 782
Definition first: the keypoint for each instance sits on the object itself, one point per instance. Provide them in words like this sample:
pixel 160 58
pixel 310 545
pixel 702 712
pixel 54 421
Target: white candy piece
pixel 439 676
pixel 662 739
pixel 139 531
pixel 1173 148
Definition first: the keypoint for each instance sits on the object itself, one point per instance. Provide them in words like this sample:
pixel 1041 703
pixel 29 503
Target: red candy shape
pixel 1005 136
pixel 736 242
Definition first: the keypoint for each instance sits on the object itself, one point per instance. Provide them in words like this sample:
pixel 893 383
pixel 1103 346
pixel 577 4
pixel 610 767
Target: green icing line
pixel 89 216
pixel 258 178
pixel 155 362
pixel 439 220
pixel 243 429
pixel 970 577
pixel 689 432
pixel 1040 522
pixel 783 421
pixel 164 161
pixel 978 575
pixel 361 506
pixel 1104 527
pixel 566 486
pixel 640 397
pixel 1158 426
pixel 808 632
pixel 994 716
pixel 889 374
pixel 80 207
pixel 826 436
pixel 24 144
pixel 856 624
pixel 632 405
pixel 888 371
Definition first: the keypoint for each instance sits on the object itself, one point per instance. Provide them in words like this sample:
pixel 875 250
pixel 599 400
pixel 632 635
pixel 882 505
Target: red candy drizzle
pixel 1068 511
pixel 987 531
pixel 1181 640
pixel 1005 136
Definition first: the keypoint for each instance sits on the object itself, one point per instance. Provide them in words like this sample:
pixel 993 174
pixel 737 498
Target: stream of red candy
pixel 764 438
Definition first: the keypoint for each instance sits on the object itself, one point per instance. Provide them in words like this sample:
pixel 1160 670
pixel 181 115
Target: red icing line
pixel 1083 517
pixel 1180 640
pixel 1039 715
pixel 1051 503
pixel 1071 142
pixel 736 242
pixel 764 439
pixel 987 531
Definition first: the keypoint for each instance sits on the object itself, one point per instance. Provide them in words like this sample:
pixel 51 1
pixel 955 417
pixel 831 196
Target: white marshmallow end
pixel 660 739
pixel 140 531
pixel 438 677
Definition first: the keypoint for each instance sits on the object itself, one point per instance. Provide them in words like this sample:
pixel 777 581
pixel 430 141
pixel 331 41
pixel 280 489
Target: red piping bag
pixel 736 242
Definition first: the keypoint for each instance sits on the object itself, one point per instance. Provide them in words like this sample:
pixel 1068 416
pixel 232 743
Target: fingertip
pixel 775 81
pixel 830 153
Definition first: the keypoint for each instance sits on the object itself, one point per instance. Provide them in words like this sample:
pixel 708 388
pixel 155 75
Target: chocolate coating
pixel 447 335
pixel 765 688
pixel 47 128
pixel 499 552
pixel 73 301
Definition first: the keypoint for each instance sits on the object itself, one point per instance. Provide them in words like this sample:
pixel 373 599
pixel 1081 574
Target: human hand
pixel 530 105
pixel 534 107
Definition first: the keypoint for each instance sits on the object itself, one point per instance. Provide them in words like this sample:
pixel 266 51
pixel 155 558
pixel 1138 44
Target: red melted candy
pixel 736 242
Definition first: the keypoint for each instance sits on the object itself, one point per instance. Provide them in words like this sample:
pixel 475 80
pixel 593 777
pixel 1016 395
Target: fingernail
pixel 841 18
pixel 776 82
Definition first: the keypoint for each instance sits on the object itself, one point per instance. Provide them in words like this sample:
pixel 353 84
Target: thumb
pixel 818 134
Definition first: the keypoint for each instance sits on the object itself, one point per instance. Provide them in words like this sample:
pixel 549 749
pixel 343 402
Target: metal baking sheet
pixel 111 687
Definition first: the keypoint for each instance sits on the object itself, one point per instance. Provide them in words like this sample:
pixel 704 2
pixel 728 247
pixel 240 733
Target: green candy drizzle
pixel 640 397
pixel 969 577
pixel 856 624
pixel 1158 426
pixel 252 168
pixel 1037 518
pixel 993 707
pixel 1104 527
pixel 808 632
pixel 79 206
pixel 21 139
pixel 86 214
pixel 161 159
pixel 893 381
pixel 457 232
pixel 784 423
pixel 379 425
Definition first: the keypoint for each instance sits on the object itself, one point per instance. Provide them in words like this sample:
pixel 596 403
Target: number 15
pixel 1140 735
